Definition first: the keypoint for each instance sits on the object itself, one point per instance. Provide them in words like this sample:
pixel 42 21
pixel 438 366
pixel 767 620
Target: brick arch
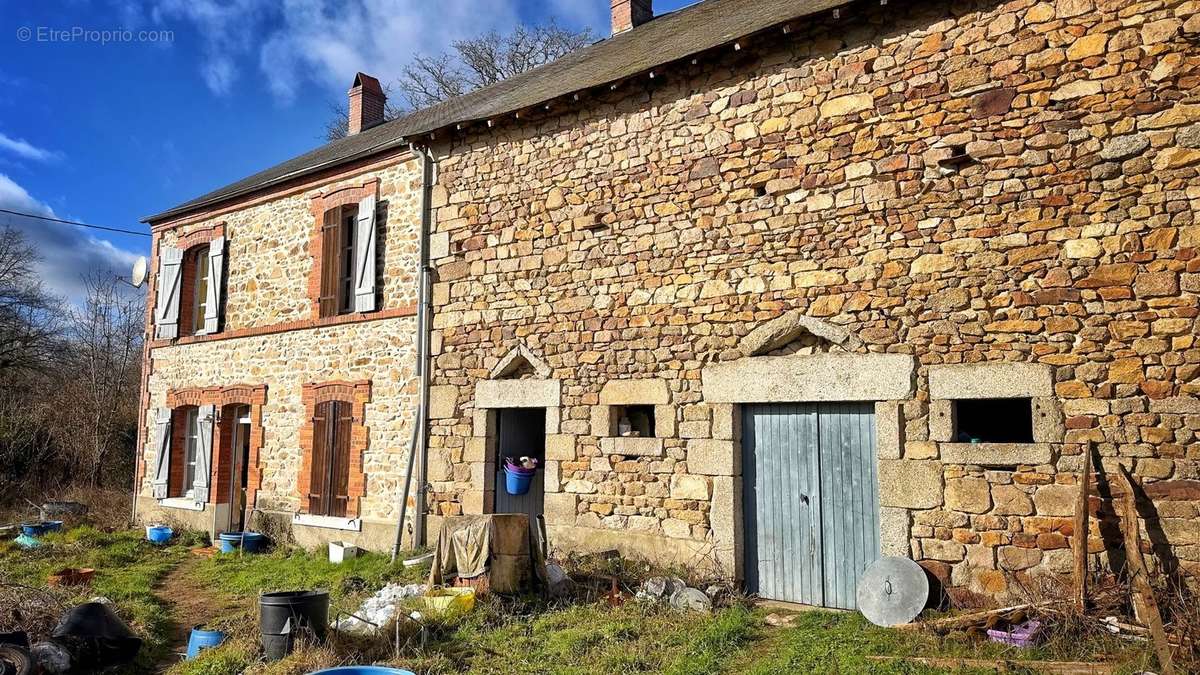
pixel 319 204
pixel 200 237
pixel 358 395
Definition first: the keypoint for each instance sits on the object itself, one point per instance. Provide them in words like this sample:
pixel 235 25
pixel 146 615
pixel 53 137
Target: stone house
pixel 767 287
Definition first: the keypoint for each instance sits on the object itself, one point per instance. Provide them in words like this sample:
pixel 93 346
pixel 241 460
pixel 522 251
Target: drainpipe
pixel 424 331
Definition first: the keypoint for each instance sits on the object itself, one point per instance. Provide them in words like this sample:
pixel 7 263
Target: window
pixel 329 484
pixel 993 420
pixel 191 442
pixel 338 260
pixel 193 305
pixel 635 420
pixel 199 271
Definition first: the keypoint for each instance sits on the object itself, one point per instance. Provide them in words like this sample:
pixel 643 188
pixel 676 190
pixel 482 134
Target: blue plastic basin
pixel 159 534
pixel 363 670
pixel 202 639
pixel 516 483
pixel 230 541
pixel 38 528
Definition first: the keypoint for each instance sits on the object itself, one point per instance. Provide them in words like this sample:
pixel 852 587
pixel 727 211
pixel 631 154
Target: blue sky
pixel 197 94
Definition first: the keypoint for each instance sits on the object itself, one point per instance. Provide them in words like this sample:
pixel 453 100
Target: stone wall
pixel 267 261
pixel 271 337
pixel 963 182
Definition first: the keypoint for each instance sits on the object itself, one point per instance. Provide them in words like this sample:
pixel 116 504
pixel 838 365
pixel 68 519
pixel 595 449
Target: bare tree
pixel 96 411
pixel 477 62
pixel 29 320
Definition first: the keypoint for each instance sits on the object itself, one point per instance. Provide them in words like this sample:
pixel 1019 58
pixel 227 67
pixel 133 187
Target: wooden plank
pixel 1143 595
pixel 968 620
pixel 1054 667
pixel 1081 529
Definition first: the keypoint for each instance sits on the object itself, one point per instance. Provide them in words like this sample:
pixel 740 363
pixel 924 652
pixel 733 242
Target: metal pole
pixel 412 452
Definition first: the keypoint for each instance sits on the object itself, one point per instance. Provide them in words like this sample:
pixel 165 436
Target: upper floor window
pixel 194 287
pixel 189 288
pixel 340 262
pixel 342 280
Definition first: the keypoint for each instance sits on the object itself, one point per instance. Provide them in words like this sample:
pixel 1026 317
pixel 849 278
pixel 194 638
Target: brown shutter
pixel 318 487
pixel 331 265
pixel 340 470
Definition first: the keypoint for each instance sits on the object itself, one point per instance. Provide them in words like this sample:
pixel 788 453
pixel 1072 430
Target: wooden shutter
pixel 318 486
pixel 162 452
pixel 339 469
pixel 331 256
pixel 205 419
pixel 364 257
pixel 166 304
pixel 212 302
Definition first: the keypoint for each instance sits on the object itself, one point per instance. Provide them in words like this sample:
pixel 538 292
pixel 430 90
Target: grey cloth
pixel 464 547
pixel 505 546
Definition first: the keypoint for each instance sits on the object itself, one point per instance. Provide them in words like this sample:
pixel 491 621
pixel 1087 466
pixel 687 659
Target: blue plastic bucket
pixel 158 534
pixel 516 483
pixel 230 541
pixel 363 670
pixel 202 639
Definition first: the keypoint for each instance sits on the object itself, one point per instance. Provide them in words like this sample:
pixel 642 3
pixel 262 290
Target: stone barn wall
pixel 1004 192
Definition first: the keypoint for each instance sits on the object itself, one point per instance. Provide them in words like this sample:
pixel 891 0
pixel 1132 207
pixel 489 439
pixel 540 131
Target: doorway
pixel 238 419
pixel 811 501
pixel 521 432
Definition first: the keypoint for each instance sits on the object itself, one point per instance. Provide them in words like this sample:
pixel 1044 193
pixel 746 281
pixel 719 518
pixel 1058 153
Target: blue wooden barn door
pixel 811 505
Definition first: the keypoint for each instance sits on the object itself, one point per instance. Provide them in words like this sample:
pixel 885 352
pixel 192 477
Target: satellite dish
pixel 892 591
pixel 138 276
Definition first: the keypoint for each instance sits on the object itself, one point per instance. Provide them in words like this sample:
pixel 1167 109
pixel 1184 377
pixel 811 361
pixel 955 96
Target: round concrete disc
pixel 892 591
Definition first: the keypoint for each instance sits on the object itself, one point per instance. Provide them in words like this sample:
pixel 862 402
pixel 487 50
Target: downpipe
pixel 424 329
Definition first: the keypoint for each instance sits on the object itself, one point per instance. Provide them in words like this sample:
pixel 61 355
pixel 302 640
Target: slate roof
pixel 667 38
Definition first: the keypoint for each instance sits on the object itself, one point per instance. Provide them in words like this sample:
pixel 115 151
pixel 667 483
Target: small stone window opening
pixel 993 420
pixel 635 420
pixel 957 160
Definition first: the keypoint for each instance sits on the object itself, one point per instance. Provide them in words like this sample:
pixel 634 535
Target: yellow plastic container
pixel 450 599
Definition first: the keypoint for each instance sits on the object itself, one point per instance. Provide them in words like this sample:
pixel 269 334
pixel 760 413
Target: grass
pixel 127 568
pixel 501 635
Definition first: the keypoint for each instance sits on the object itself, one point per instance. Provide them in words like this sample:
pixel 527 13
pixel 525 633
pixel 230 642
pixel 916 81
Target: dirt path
pixel 190 605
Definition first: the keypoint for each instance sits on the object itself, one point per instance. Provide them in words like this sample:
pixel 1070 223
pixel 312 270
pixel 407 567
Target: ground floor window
pixel 191 431
pixel 329 484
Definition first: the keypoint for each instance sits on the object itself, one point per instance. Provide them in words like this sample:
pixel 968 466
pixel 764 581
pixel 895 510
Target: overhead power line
pixel 75 222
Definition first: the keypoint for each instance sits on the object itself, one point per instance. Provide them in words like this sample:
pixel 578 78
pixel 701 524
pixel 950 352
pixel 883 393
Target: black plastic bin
pixel 286 616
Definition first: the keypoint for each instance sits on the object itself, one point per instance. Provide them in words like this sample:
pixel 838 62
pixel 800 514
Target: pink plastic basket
pixel 1021 635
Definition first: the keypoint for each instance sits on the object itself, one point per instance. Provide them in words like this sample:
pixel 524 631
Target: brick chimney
pixel 366 103
pixel 629 14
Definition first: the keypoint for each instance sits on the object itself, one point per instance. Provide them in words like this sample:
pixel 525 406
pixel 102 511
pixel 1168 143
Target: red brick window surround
pixel 195 245
pixel 335 204
pixel 226 399
pixel 334 483
pixel 193 289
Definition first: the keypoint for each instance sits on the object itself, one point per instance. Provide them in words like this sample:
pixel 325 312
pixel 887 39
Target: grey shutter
pixel 204 440
pixel 166 306
pixel 364 257
pixel 212 303
pixel 162 451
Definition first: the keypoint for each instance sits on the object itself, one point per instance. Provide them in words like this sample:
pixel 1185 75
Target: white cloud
pixel 68 253
pixel 26 150
pixel 324 42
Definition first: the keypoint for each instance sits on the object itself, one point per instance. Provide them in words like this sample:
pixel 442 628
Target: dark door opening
pixel 520 432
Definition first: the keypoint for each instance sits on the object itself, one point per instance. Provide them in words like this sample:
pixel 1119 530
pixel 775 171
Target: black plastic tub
pixel 289 616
